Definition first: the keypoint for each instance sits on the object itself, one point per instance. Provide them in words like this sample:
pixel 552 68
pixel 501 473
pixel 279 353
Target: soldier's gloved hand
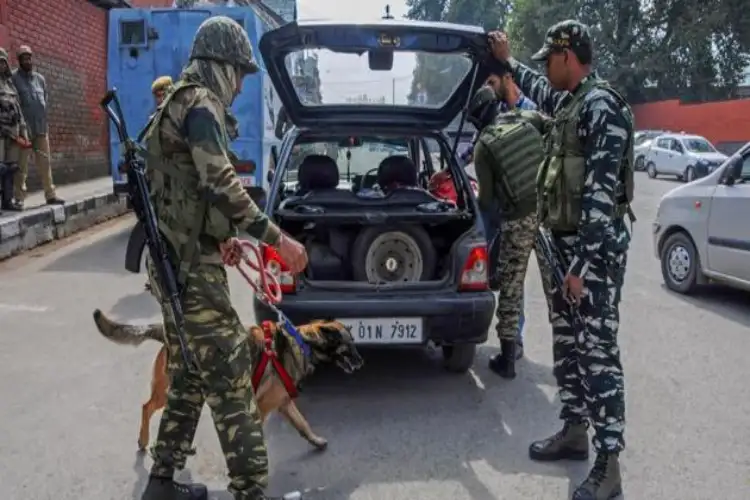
pixel 499 45
pixel 293 253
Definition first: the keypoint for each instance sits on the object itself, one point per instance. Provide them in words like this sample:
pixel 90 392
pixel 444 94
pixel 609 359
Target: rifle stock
pixel 138 193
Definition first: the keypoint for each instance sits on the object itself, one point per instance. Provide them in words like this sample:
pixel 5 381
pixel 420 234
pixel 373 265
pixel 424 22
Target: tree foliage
pixel 650 49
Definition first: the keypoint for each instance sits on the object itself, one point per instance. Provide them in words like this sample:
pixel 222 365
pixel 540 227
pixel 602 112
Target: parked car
pixel 642 142
pixel 702 231
pixel 396 264
pixel 687 157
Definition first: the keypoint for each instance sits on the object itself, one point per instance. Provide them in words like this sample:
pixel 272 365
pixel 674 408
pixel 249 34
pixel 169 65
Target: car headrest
pixel 317 172
pixel 397 170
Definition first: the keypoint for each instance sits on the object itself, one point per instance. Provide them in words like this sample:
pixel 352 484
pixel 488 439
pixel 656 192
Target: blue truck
pixel 147 43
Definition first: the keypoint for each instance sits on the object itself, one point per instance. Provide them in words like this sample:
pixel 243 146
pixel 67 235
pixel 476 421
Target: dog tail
pixel 124 334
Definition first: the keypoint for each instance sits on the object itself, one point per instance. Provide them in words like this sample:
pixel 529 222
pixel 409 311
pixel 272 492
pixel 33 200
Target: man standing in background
pixel 12 133
pixel 32 90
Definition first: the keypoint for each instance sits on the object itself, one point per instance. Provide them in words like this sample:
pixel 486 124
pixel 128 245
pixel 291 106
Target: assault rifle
pixel 135 168
pixel 557 266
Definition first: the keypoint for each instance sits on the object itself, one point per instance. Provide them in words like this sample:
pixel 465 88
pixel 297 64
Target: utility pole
pixel 393 91
pixel 387 14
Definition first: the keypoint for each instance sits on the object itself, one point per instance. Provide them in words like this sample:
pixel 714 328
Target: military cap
pixel 161 83
pixel 568 34
pixel 222 39
pixel 23 50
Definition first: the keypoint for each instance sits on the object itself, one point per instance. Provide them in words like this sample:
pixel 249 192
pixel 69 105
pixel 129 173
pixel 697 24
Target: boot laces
pixel 599 470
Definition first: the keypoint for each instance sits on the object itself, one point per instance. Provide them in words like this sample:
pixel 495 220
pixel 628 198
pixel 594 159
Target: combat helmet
pixel 220 38
pixel 482 107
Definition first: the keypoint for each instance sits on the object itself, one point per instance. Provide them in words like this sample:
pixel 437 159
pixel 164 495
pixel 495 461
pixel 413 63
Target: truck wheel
pixel 459 358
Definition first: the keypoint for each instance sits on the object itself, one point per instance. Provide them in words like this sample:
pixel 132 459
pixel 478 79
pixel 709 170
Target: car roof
pixel 672 135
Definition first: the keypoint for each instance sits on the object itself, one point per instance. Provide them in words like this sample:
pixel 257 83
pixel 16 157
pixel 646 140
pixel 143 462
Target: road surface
pixel 399 430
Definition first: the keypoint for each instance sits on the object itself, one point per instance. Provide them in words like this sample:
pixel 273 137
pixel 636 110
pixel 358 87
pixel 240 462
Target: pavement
pixel 87 204
pixel 401 429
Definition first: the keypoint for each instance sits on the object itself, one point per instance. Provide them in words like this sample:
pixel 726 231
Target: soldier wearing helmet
pixel 201 207
pixel 507 153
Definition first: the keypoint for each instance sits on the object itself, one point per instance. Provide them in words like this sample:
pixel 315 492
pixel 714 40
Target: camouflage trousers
pixel 587 360
pixel 218 339
pixel 517 240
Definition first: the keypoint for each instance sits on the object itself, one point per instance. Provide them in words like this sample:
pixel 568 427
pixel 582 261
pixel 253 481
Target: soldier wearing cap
pixel 32 90
pixel 585 190
pixel 13 132
pixel 201 207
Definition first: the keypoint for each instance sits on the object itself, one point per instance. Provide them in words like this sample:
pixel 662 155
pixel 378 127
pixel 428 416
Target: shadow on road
pixel 403 419
pixel 727 302
pixel 104 256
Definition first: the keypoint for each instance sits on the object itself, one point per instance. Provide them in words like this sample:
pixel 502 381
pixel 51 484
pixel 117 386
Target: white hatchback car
pixel 687 157
pixel 702 231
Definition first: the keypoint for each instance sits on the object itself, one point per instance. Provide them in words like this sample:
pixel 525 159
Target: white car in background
pixel 642 143
pixel 687 157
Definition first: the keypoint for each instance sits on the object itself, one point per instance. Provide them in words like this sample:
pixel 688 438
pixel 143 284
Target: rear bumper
pixel 449 317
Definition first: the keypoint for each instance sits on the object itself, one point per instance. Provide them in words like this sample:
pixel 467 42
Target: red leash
pixel 268 290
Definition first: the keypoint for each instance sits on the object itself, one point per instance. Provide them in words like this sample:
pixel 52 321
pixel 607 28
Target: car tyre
pixel 680 264
pixel 651 169
pixel 689 175
pixel 639 164
pixel 416 235
pixel 459 358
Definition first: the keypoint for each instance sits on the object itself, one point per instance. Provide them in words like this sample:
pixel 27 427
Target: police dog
pixel 329 341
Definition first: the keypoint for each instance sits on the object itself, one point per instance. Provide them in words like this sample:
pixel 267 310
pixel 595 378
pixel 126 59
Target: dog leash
pixel 267 288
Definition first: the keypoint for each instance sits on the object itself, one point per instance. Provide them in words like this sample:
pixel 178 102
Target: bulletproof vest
pixel 516 148
pixel 561 179
pixel 10 110
pixel 189 223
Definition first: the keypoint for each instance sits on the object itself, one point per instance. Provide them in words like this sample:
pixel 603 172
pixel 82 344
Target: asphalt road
pixel 401 429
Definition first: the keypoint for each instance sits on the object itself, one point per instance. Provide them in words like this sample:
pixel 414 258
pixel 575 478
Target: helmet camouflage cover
pixel 222 39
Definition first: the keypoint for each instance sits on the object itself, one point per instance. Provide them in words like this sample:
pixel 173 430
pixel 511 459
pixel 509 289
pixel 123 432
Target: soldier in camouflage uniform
pixel 586 187
pixel 507 155
pixel 201 207
pixel 12 132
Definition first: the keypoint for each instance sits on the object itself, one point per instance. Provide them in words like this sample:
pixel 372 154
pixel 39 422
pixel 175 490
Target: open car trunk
pixel 405 239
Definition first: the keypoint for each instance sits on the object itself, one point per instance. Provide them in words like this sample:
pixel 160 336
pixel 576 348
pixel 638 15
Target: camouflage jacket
pixel 603 128
pixel 189 132
pixel 12 123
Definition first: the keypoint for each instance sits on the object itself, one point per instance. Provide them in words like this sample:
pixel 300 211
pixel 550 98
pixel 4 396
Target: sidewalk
pixel 86 204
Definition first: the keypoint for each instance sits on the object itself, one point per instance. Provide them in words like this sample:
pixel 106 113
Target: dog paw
pixel 319 443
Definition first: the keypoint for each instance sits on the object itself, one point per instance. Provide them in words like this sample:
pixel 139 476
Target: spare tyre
pixel 393 254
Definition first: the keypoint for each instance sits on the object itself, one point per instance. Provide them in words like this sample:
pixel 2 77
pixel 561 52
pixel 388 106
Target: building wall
pixel 724 123
pixel 69 44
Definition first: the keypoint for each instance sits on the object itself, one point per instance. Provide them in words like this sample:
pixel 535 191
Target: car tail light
pixel 244 167
pixel 474 273
pixel 275 265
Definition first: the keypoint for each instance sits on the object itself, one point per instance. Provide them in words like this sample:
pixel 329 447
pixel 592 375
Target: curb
pixel 38 226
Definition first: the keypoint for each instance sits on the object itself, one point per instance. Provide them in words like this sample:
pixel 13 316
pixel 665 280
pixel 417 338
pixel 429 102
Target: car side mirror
pixel 733 171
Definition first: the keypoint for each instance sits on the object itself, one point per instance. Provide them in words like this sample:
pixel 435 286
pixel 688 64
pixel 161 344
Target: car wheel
pixel 689 175
pixel 638 166
pixel 393 254
pixel 680 264
pixel 459 358
pixel 651 169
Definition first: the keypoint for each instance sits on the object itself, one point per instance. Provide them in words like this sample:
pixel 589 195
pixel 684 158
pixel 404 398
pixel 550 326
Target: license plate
pixel 247 181
pixel 385 330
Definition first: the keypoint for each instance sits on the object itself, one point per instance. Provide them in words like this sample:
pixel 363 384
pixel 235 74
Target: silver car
pixel 687 157
pixel 642 143
pixel 702 229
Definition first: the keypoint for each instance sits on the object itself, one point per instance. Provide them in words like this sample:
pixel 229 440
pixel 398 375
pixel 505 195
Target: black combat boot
pixel 570 443
pixel 7 173
pixel 504 364
pixel 604 481
pixel 164 488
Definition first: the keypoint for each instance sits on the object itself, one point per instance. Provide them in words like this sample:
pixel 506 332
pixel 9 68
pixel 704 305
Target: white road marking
pixel 23 308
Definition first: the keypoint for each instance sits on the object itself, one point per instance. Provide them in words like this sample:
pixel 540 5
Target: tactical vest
pixel 516 148
pixel 185 216
pixel 561 179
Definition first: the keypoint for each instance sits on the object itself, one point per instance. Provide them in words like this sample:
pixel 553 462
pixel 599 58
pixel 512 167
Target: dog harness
pixel 270 355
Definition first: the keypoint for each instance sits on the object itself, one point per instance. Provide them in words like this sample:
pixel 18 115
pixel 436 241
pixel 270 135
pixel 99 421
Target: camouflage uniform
pixel 200 203
pixel 588 149
pixel 12 127
pixel 518 224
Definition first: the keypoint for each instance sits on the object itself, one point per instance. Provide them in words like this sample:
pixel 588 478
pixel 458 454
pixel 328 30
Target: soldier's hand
pixel 573 289
pixel 231 252
pixel 499 45
pixel 293 253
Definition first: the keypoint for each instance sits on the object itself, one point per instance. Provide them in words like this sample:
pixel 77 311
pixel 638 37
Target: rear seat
pixel 317 172
pixel 397 171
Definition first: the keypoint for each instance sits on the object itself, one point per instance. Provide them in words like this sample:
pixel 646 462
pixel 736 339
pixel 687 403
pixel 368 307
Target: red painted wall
pixel 719 122
pixel 69 42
